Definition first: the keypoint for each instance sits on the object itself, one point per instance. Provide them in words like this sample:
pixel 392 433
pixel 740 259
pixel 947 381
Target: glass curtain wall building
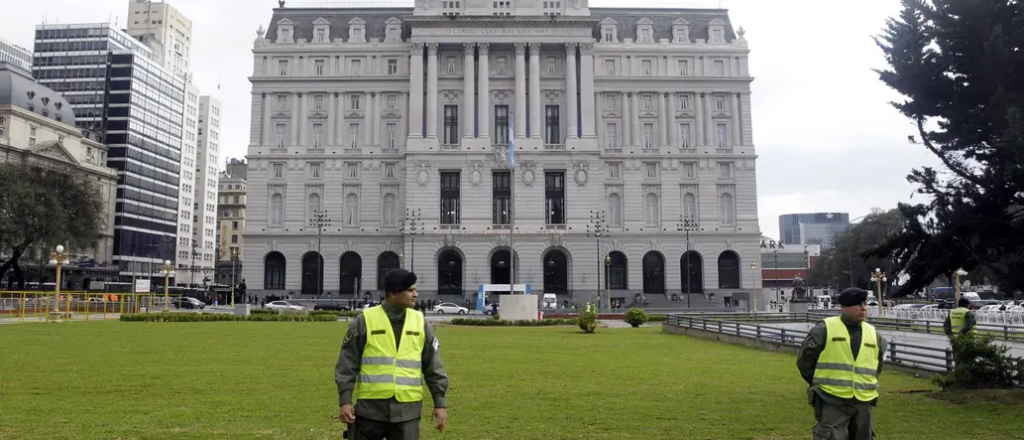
pixel 115 88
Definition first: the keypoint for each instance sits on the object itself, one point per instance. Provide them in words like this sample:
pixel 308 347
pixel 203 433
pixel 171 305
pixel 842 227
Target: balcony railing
pixel 554 146
pixel 450 147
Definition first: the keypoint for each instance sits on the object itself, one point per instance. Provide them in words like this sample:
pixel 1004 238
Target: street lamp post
pixel 234 260
pixel 687 224
pixel 321 221
pixel 195 254
pixel 57 258
pixel 167 268
pixel 956 285
pixel 775 275
pixel 879 277
pixel 598 227
pixel 412 225
pixel 754 291
pixel 608 281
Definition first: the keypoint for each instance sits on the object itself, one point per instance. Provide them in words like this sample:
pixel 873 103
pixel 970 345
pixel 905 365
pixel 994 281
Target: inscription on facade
pixel 500 31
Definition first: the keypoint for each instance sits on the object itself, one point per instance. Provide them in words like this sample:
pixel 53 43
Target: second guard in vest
pixel 961 320
pixel 841 360
pixel 389 352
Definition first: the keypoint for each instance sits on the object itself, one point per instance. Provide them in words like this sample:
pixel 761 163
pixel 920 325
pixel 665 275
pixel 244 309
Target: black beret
pixel 853 296
pixel 398 280
pixel 964 302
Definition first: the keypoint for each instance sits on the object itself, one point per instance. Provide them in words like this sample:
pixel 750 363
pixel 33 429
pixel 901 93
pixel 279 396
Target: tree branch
pixel 942 156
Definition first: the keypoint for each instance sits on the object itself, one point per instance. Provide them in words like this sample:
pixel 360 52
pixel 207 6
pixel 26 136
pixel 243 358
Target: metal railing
pixel 987 316
pixel 919 357
pixel 1001 331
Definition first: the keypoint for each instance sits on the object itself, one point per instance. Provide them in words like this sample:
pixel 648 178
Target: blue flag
pixel 511 142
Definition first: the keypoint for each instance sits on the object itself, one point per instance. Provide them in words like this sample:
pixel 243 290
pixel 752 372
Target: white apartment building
pixel 14 54
pixel 187 187
pixel 204 217
pixel 165 30
pixel 397 122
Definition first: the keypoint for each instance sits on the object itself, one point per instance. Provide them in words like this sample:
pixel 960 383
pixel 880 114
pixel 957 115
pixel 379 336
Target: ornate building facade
pixel 380 138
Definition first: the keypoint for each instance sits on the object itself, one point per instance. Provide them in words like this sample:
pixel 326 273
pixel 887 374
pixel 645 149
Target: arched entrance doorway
pixel 312 273
pixel 556 272
pixel 351 273
pixel 386 262
pixel 728 270
pixel 449 273
pixel 616 272
pixel 692 267
pixel 274 266
pixel 501 267
pixel 654 272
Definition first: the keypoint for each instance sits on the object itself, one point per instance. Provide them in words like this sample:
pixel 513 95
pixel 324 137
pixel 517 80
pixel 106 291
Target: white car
pixel 285 305
pixel 452 308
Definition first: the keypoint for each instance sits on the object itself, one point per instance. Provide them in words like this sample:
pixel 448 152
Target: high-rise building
pixel 188 251
pixel 113 85
pixel 16 55
pixel 812 228
pixel 165 30
pixel 395 124
pixel 231 209
pixel 204 218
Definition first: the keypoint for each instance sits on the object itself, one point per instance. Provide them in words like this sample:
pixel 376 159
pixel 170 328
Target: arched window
pixel 614 210
pixel 276 210
pixel 652 210
pixel 727 214
pixel 313 206
pixel 390 208
pixel 352 210
pixel 689 206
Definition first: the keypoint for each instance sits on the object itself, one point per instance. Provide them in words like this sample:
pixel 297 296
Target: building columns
pixel 432 90
pixel 673 124
pixel 735 112
pixel 663 111
pixel 301 124
pixel 295 119
pixel 520 115
pixel 483 121
pixel 709 126
pixel 627 126
pixel 468 119
pixel 571 90
pixel 698 122
pixel 634 121
pixel 267 138
pixel 416 90
pixel 332 118
pixel 587 90
pixel 535 110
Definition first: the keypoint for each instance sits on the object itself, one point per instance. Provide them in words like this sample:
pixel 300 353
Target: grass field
pixel 249 380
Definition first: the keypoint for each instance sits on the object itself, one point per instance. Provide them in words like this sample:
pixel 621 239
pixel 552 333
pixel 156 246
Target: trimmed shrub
pixel 981 364
pixel 587 320
pixel 636 317
pixel 507 323
pixel 220 317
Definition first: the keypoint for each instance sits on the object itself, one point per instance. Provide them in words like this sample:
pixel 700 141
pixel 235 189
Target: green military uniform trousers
pixel 842 421
pixel 368 429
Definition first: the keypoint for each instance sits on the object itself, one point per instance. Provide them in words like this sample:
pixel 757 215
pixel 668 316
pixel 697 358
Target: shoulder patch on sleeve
pixel 435 343
pixel 348 338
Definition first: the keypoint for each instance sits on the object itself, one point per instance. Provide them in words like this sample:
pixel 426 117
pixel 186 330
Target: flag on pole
pixel 511 142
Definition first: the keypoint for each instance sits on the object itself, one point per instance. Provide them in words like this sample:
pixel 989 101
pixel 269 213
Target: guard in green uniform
pixel 388 353
pixel 961 320
pixel 841 360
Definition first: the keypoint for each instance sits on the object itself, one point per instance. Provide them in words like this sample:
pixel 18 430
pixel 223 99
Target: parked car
pixel 331 306
pixel 187 302
pixel 491 309
pixel 284 305
pixel 447 307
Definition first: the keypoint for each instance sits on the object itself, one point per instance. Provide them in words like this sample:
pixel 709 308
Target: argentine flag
pixel 511 142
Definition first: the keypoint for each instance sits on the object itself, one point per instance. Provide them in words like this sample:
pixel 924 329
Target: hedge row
pixel 508 323
pixel 348 313
pixel 213 317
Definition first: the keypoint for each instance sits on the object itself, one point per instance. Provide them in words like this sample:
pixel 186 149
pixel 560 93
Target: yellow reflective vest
pixel 838 373
pixel 958 320
pixel 387 371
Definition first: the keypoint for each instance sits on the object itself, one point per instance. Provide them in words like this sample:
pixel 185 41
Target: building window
pixel 502 196
pixel 648 134
pixel 278 171
pixel 351 210
pixel 392 67
pixel 550 65
pixel 389 171
pixel 451 125
pixel 689 170
pixel 352 170
pixel 450 209
pixel 720 135
pixel 502 65
pixel 554 195
pixel 353 135
pixel 318 67
pixel 609 67
pixel 390 130
pixel 652 210
pixel 390 210
pixel 719 68
pixel 614 210
pixel 318 134
pixel 719 102
pixel 685 140
pixel 354 102
pixel 689 206
pixel 684 102
pixel 318 102
pixel 450 64
pixel 276 210
pixel 234 226
pixel 726 213
pixel 355 67
pixel 501 124
pixel 282 130
pixel 321 35
pixel 652 170
pixel 282 67
pixel 614 170
pixel 282 102
pixel 684 67
pixel 611 102
pixel 551 125
pixel 608 36
pixel 645 68
pixel 391 101
pixel 725 170
pixel 647 101
pixel 611 135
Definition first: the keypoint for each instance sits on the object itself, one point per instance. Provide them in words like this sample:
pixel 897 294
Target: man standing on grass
pixel 960 321
pixel 387 354
pixel 841 360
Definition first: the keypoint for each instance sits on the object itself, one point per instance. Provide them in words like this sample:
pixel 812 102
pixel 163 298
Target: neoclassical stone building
pixel 397 122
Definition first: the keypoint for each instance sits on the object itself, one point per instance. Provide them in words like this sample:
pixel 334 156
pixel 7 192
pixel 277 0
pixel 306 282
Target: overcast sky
pixel 826 137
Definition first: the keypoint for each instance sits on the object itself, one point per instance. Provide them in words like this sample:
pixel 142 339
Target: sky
pixel 826 137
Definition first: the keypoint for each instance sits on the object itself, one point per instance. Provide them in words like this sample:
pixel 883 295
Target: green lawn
pixel 252 380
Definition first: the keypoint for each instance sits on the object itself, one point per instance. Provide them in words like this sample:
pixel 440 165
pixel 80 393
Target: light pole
pixel 878 277
pixel 57 258
pixel 956 285
pixel 608 281
pixel 597 227
pixel 234 259
pixel 321 221
pixel 412 225
pixel 775 275
pixel 195 254
pixel 753 283
pixel 167 268
pixel 687 224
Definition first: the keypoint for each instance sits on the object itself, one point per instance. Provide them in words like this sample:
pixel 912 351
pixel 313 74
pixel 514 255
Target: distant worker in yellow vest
pixel 961 320
pixel 841 360
pixel 388 353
